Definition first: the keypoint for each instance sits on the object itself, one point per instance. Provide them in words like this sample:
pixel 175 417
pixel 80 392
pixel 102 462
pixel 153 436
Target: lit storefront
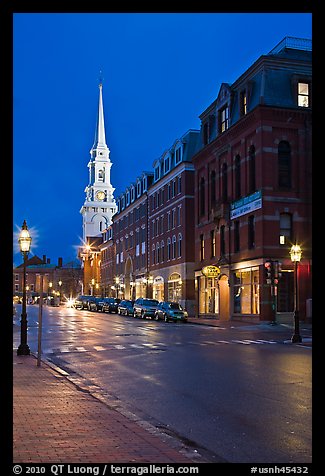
pixel 174 287
pixel 158 288
pixel 208 295
pixel 246 291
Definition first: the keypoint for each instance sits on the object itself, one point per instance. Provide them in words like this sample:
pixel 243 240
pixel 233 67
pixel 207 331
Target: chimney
pixel 44 259
pixel 48 261
pixel 60 262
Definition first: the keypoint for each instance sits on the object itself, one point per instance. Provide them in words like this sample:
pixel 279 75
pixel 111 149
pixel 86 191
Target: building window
pixel 178 155
pixel 167 164
pixel 179 184
pixel 168 249
pixel 284 164
pixel 153 254
pixel 213 243
pixel 202 196
pixel 222 240
pixel 237 178
pixel 251 232
pixel 162 251
pixel 243 103
pixel 224 183
pixel 213 188
pixel 285 228
pixel 251 170
pixel 205 133
pixel 174 247
pixel 237 237
pixel 157 173
pixel 201 247
pixel 138 189
pixel 246 291
pixel 224 119
pixel 303 94
pixel 179 247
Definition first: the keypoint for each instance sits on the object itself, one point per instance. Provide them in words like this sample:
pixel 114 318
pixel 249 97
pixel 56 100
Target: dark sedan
pixel 126 307
pixel 110 305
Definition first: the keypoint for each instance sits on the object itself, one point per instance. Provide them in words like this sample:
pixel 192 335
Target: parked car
pixel 144 307
pixel 125 307
pixel 171 311
pixel 110 305
pixel 94 304
pixel 81 302
pixel 100 302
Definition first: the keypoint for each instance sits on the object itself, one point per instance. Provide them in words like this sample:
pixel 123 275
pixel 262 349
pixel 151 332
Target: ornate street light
pixel 24 244
pixel 295 255
pixel 60 284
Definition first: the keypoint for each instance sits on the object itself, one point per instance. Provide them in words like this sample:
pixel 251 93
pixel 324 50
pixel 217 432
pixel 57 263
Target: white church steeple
pixel 99 205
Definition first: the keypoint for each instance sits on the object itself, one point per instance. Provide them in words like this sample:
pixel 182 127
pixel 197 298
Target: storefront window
pixel 174 287
pixel 208 296
pixel 158 288
pixel 246 291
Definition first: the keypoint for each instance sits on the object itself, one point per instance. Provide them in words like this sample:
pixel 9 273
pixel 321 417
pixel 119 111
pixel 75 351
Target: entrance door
pixel 224 313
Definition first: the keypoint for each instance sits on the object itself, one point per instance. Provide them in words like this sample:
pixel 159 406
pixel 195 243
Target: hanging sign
pixel 246 205
pixel 211 271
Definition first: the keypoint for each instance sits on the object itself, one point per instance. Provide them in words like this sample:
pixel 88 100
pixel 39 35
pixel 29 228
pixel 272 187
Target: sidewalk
pixel 54 421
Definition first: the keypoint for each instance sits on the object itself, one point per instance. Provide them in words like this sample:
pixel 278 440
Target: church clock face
pixel 100 195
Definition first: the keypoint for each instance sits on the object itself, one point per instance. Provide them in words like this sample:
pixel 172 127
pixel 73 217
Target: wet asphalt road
pixel 235 395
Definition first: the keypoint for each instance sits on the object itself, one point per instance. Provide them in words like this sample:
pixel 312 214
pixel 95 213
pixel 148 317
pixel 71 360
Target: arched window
pixel 251 169
pixel 213 187
pixel 162 251
pixel 174 247
pixel 237 178
pixel 202 196
pixel 284 164
pixel 168 249
pixel 224 182
pixel 153 254
pixel 157 253
pixel 179 246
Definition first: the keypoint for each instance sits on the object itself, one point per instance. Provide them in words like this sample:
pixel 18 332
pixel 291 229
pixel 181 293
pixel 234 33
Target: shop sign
pixel 246 205
pixel 211 271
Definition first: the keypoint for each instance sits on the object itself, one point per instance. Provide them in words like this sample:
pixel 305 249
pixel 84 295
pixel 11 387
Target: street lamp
pixel 295 255
pixel 24 244
pixel 60 284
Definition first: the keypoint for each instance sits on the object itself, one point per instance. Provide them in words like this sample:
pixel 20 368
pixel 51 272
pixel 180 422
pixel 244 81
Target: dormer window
pixel 243 102
pixel 123 202
pixel 167 164
pixel 224 119
pixel 144 184
pixel 157 173
pixel 138 189
pixel 127 198
pixel 132 194
pixel 303 94
pixel 178 155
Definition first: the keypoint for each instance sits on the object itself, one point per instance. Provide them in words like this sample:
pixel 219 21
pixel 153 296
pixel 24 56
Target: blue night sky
pixel 161 70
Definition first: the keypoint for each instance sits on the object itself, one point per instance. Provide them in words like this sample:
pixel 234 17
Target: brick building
pixel 171 253
pixel 253 187
pixel 154 256
pixel 61 280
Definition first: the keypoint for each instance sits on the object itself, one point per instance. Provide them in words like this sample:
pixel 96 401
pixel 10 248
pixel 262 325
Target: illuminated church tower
pixel 99 205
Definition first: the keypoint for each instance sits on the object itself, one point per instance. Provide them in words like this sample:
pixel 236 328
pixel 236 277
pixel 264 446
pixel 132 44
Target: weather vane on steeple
pixel 101 77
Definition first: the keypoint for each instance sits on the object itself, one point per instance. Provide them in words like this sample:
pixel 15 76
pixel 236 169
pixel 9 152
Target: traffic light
pixel 268 272
pixel 277 272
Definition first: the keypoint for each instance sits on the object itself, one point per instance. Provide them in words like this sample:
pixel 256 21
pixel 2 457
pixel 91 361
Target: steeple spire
pixel 100 140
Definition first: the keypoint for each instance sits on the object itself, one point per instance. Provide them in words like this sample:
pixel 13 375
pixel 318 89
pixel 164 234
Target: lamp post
pixel 295 255
pixel 24 244
pixel 60 284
